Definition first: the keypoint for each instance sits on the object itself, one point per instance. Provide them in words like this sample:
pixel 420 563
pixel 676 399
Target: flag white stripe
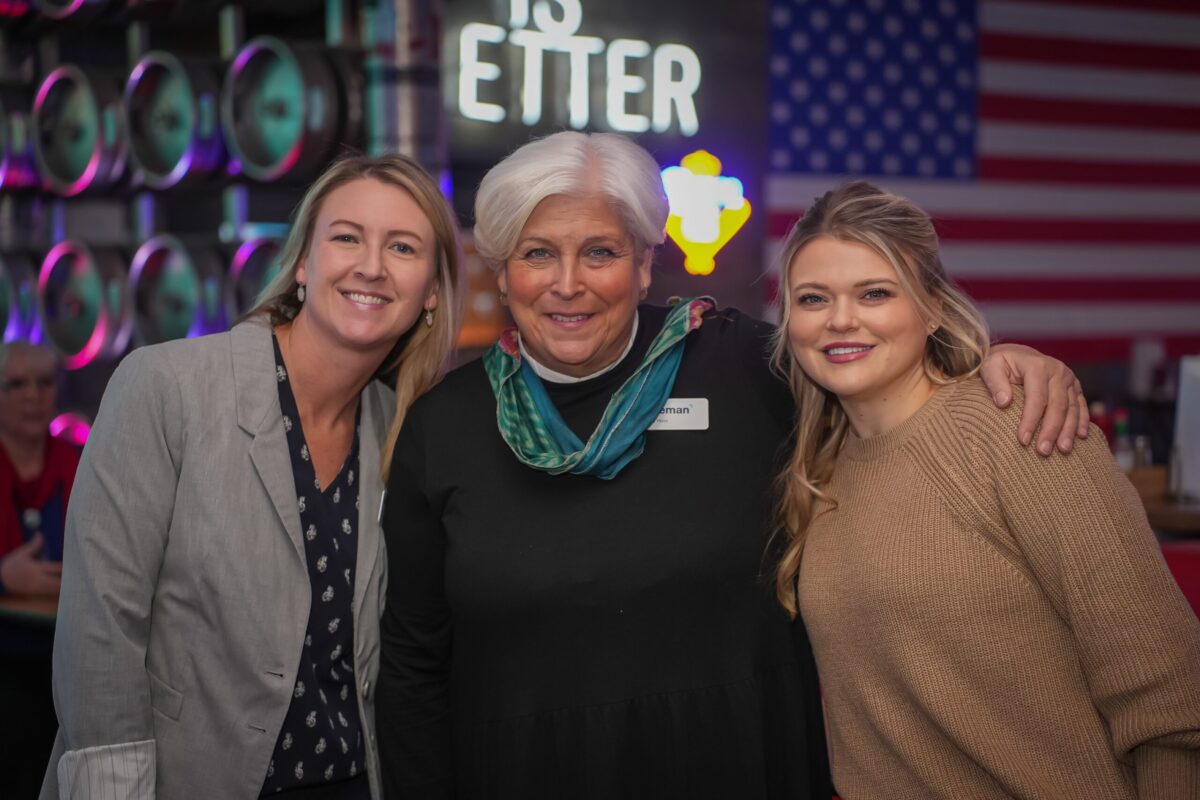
pixel 1089 83
pixel 1008 200
pixel 1092 143
pixel 1102 25
pixel 1065 261
pixel 1091 318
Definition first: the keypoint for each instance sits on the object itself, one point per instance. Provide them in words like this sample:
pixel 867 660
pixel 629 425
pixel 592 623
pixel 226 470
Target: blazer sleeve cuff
pixel 120 771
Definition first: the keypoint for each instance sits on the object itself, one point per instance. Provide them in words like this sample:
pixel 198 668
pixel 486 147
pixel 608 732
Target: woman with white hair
pixel 37 471
pixel 576 524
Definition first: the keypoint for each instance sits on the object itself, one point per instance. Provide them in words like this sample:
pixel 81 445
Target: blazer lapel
pixel 259 415
pixel 371 433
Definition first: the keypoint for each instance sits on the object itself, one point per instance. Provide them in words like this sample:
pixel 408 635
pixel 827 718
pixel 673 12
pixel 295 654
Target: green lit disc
pixel 73 301
pixel 72 132
pixel 169 118
pixel 174 298
pixel 277 108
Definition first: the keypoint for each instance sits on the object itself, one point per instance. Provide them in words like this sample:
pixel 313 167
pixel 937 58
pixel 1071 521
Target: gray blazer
pixel 185 593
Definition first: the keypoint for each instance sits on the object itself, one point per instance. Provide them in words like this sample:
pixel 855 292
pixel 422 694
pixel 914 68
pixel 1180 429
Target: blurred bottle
pixel 1143 455
pixel 1122 445
pixel 1098 411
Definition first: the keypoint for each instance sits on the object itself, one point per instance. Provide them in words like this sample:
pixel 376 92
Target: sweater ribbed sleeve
pixel 1082 531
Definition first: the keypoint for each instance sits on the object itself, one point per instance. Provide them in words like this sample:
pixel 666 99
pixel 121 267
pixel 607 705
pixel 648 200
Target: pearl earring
pixel 300 293
pixel 428 318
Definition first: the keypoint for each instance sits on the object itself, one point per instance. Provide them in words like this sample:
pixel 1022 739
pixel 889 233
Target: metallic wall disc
pixel 255 264
pixel 79 140
pixel 279 109
pixel 83 300
pixel 171 113
pixel 18 298
pixel 176 290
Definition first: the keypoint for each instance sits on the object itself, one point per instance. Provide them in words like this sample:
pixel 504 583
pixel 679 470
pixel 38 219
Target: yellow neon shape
pixel 700 257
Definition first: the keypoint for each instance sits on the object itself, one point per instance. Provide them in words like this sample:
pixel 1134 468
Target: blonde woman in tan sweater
pixel 987 623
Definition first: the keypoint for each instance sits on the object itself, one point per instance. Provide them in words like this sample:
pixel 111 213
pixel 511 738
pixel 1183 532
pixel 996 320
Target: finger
pixel 1036 391
pixel 32 547
pixel 1066 439
pixel 995 378
pixel 1055 415
pixel 1085 416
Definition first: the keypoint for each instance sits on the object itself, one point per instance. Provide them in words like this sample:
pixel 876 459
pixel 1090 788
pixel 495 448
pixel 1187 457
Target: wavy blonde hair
pixel 421 355
pixel 903 235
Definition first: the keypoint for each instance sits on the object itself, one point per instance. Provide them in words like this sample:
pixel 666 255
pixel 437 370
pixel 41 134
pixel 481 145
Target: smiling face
pixel 855 330
pixel 573 283
pixel 371 266
pixel 28 389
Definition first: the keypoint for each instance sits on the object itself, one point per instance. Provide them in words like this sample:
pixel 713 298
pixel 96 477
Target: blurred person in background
pixel 987 624
pixel 36 472
pixel 218 633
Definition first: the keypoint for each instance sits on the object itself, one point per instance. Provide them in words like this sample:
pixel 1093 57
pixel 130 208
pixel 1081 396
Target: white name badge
pixel 683 414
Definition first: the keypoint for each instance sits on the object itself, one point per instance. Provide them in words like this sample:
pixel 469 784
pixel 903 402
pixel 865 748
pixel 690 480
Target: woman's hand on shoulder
pixel 1055 407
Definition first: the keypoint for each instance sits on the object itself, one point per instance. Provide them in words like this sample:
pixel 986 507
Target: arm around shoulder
pixel 117 525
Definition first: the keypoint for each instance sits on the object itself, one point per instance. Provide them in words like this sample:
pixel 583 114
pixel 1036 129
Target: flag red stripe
pixel 1051 50
pixel 1107 348
pixel 1034 288
pixel 1082 112
pixel 1042 230
pixel 1123 5
pixel 1037 230
pixel 999 168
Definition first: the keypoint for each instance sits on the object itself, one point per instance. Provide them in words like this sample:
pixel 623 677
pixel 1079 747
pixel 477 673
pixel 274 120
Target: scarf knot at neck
pixel 535 431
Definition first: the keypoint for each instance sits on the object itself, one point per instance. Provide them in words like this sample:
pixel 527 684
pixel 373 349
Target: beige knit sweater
pixel 989 623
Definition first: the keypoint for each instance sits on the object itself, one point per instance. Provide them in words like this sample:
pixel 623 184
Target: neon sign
pixel 707 209
pixel 675 70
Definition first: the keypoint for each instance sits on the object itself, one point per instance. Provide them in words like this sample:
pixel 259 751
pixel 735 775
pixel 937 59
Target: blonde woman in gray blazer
pixel 187 659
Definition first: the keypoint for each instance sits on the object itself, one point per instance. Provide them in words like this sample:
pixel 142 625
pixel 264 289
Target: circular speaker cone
pixel 279 109
pixel 171 110
pixel 79 143
pixel 18 299
pixel 18 169
pixel 176 290
pixel 83 301
pixel 255 265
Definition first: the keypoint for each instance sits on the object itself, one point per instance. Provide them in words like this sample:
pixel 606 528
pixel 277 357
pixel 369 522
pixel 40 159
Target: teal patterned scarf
pixel 534 429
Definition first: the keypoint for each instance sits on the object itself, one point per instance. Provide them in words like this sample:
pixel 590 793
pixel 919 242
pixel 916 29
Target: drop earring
pixel 428 318
pixel 300 293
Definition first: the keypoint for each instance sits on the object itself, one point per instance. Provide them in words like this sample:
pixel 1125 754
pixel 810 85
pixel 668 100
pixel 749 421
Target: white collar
pixel 547 374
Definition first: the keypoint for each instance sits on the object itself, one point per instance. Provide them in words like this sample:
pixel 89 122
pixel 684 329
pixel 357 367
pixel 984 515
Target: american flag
pixel 1056 143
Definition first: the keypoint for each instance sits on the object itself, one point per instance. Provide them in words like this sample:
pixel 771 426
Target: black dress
pixel 569 637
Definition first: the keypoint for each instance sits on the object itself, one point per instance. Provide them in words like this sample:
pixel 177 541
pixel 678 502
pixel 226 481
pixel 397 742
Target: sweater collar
pixel 875 447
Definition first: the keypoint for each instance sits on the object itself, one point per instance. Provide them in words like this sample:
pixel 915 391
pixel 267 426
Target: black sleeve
pixel 413 702
pixel 755 343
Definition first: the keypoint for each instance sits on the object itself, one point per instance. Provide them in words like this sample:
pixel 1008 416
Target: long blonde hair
pixel 421 355
pixel 902 234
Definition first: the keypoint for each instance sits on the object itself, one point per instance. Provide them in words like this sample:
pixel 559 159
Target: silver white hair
pixel 41 352
pixel 569 163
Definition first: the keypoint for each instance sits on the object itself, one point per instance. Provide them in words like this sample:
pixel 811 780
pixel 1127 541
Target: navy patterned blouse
pixel 321 740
